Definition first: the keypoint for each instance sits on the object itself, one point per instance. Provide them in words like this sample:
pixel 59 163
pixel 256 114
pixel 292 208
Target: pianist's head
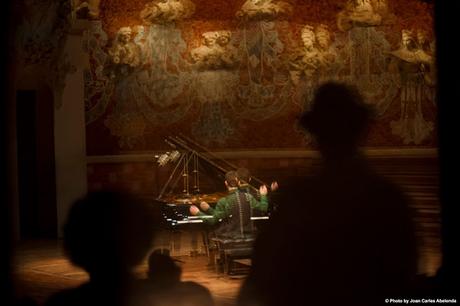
pixel 231 179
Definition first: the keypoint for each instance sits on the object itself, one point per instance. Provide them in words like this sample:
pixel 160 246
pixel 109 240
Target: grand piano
pixel 184 187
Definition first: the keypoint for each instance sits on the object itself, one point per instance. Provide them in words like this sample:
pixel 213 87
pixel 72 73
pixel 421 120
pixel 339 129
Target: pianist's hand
pixel 194 210
pixel 204 206
pixel 263 190
pixel 274 186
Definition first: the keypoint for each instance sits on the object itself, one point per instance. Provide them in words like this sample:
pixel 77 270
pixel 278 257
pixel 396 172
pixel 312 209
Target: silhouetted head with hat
pixel 338 119
pixel 351 228
pixel 163 269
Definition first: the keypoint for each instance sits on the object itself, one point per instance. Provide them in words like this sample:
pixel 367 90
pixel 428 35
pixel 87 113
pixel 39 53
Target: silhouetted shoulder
pixel 198 294
pixel 181 294
pixel 82 295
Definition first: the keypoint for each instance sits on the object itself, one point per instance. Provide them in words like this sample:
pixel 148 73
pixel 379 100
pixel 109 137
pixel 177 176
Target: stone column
pixel 69 133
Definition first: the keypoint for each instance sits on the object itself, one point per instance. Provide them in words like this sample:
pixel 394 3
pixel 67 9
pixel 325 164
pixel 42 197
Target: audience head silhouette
pixel 108 233
pixel 164 286
pixel 163 269
pixel 338 119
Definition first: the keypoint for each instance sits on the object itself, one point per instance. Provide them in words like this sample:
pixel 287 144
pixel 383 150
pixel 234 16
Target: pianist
pixel 244 178
pixel 234 210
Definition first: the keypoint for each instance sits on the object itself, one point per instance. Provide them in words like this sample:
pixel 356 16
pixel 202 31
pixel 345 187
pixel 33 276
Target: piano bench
pixel 239 252
pixel 229 250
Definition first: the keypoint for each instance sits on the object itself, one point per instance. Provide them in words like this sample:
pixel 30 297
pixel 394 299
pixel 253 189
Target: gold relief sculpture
pixel 409 66
pixel 412 51
pixel 425 54
pixel 216 52
pixel 167 11
pixel 306 61
pixel 324 41
pixel 124 50
pixel 264 9
pixel 362 13
pixel 315 57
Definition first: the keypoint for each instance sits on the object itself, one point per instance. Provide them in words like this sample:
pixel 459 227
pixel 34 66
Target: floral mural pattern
pixel 240 76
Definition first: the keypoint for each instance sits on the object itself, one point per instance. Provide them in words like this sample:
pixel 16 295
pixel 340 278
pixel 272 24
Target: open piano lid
pixel 190 158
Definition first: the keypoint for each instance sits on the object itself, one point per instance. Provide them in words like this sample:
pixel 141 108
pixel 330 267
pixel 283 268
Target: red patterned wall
pixel 123 125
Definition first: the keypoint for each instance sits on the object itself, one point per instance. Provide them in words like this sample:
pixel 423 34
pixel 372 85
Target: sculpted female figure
pixel 307 60
pixel 408 64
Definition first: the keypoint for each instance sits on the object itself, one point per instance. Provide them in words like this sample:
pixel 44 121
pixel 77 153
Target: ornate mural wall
pixel 236 74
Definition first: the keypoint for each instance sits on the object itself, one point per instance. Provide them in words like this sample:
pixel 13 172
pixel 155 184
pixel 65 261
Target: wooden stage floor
pixel 40 269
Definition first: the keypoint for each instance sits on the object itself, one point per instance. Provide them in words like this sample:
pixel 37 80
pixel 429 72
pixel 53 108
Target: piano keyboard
pixel 194 219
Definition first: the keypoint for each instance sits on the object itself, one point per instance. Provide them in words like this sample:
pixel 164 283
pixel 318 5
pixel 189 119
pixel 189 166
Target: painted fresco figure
pixel 368 49
pixel 408 64
pixel 99 85
pixel 151 54
pixel 264 87
pixel 126 59
pixel 213 84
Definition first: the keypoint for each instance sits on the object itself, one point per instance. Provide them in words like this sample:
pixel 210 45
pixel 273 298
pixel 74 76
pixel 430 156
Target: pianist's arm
pixel 261 205
pixel 218 213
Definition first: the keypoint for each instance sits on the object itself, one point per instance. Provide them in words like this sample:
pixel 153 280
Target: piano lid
pixel 191 160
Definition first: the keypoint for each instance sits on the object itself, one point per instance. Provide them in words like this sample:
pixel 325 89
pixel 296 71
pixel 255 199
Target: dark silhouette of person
pixel 107 234
pixel 163 270
pixel 163 285
pixel 342 236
